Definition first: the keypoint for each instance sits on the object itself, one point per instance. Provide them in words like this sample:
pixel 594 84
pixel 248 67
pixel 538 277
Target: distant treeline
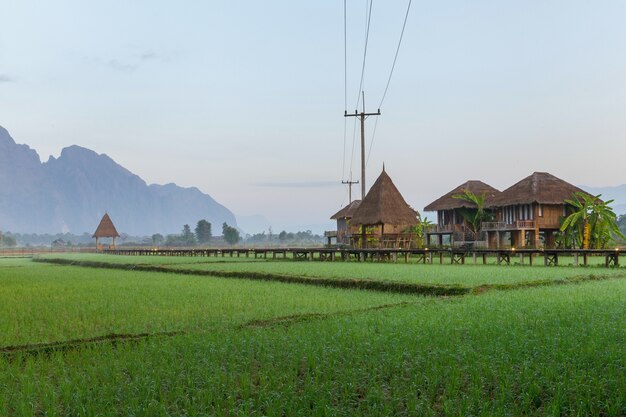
pixel 284 238
pixel 201 235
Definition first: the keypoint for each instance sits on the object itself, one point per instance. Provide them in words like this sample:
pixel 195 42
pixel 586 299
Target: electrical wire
pixel 367 161
pixel 345 84
pixel 367 35
pixel 393 66
pixel 395 58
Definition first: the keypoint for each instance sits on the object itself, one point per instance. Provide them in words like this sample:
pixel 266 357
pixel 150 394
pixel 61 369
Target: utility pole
pixel 362 116
pixel 350 182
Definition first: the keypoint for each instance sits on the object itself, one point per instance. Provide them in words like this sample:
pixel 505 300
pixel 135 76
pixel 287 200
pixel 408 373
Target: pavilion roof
pixel 106 228
pixel 384 204
pixel 347 211
pixel 539 187
pixel 447 202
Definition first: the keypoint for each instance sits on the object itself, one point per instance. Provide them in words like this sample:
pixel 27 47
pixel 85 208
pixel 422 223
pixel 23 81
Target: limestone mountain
pixel 73 191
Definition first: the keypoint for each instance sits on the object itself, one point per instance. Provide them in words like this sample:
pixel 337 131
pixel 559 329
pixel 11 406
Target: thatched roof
pixel 347 211
pixel 446 202
pixel 540 187
pixel 384 204
pixel 106 228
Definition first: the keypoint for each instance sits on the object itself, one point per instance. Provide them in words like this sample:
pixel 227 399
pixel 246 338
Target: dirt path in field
pixel 47 348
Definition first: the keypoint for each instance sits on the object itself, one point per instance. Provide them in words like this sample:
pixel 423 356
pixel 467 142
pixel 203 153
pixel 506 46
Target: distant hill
pixel 617 193
pixel 72 192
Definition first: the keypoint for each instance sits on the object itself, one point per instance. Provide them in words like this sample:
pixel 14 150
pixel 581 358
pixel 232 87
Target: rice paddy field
pixel 101 336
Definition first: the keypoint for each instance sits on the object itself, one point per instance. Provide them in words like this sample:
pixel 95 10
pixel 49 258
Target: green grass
pixel 45 303
pixel 266 348
pixel 466 275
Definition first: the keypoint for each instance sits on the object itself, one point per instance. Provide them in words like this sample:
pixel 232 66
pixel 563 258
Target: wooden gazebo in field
pixel 383 217
pixel 450 220
pixel 106 229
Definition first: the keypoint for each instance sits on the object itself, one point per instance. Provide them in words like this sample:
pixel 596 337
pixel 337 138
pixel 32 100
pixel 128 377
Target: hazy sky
pixel 245 99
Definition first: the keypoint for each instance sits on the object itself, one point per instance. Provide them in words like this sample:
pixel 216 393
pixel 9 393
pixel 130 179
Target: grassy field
pixel 467 275
pixel 44 303
pixel 264 348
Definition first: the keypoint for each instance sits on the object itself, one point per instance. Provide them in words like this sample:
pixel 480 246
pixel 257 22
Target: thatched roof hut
pixel 347 211
pixel 383 205
pixel 106 228
pixel 539 187
pixel 447 202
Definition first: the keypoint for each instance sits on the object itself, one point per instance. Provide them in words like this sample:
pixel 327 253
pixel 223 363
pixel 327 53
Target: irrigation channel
pixel 550 257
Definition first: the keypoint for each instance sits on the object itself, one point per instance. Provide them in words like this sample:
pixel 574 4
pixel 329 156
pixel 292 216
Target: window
pixel 540 211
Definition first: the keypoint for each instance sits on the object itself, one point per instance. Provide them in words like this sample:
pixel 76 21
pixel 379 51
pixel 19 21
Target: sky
pixel 245 99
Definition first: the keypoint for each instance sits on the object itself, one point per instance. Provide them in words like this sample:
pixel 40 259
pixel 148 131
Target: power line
pixel 395 58
pixel 393 66
pixel 367 35
pixel 345 55
pixel 345 83
pixel 367 161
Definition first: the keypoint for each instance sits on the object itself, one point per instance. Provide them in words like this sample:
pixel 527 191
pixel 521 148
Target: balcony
pixel 503 226
pixel 446 228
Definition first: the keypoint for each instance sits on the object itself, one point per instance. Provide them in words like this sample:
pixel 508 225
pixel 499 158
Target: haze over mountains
pixel 72 192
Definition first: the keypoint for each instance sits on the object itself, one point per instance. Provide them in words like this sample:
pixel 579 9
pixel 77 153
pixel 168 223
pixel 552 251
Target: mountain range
pixel 72 192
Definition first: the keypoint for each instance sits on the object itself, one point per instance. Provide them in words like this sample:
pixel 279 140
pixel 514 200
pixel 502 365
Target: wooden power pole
pixel 362 116
pixel 350 182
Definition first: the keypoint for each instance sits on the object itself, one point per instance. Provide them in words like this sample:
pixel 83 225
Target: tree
pixel 474 216
pixel 231 235
pixel 187 236
pixel 157 239
pixel 203 231
pixel 282 236
pixel 592 224
pixel 173 240
pixel 7 240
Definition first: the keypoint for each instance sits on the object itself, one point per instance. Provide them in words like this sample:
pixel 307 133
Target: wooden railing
pixel 435 228
pixel 519 224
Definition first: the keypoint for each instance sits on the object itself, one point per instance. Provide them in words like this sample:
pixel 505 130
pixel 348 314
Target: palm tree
pixel 476 216
pixel 593 222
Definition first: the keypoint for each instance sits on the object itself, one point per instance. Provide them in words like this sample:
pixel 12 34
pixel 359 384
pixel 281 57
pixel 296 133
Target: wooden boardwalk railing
pixel 550 257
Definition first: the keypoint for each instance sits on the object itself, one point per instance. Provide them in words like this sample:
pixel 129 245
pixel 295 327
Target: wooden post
pixel 362 117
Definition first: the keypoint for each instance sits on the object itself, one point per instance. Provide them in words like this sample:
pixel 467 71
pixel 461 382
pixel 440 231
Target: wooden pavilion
pixel 529 211
pixel 343 217
pixel 450 221
pixel 106 229
pixel 383 217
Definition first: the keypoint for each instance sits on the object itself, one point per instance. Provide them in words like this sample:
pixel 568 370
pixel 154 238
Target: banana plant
pixel 475 217
pixel 593 221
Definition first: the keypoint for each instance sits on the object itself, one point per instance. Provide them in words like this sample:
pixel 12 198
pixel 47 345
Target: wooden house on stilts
pixel 343 234
pixel 450 220
pixel 529 213
pixel 383 219
pixel 106 229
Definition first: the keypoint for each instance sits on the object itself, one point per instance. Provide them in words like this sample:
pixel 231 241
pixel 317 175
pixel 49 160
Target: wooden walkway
pixel 549 257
